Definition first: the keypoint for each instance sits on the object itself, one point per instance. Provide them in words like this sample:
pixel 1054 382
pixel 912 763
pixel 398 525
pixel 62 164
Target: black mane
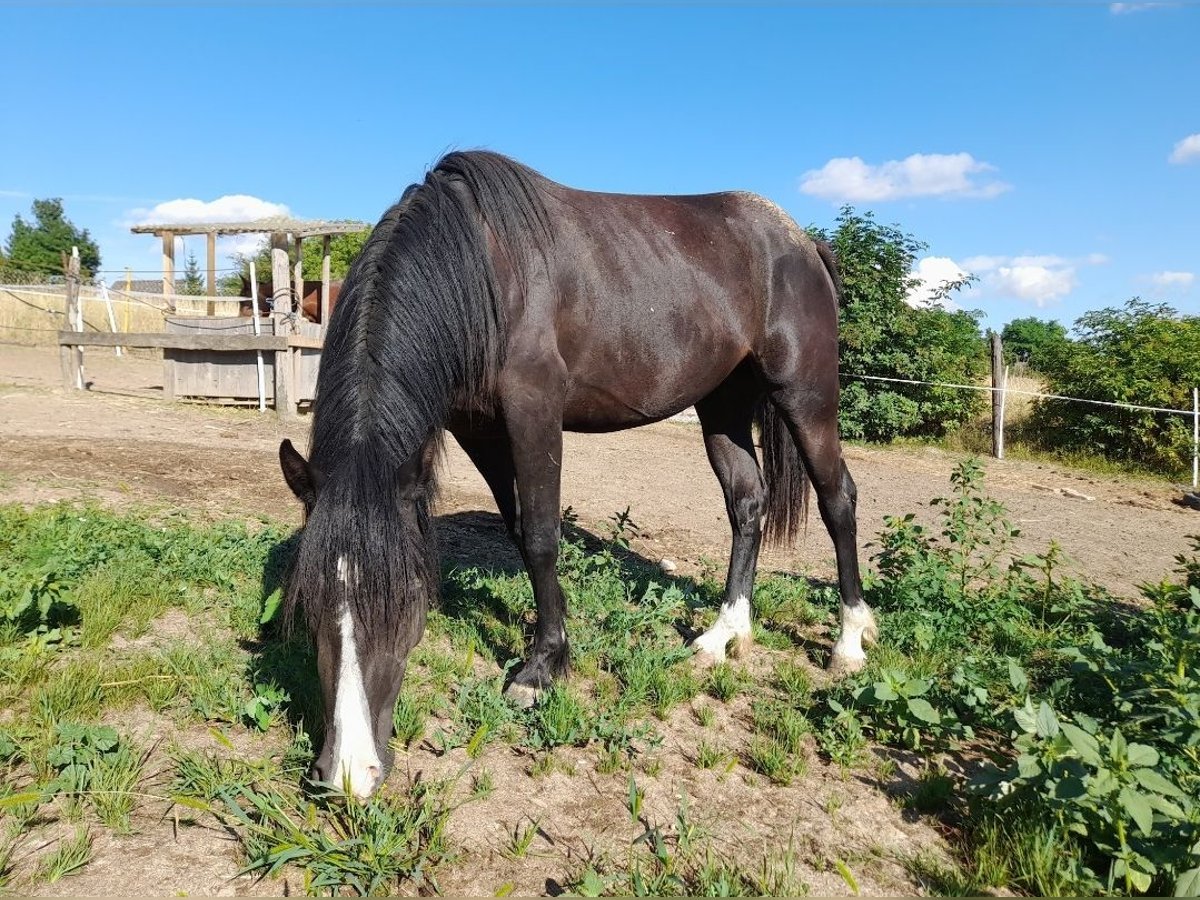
pixel 419 324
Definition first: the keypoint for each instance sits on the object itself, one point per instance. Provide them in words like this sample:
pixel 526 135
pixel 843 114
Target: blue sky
pixel 1044 148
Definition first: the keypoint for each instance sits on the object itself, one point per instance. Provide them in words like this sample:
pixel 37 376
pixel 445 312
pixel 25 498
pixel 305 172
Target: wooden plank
pixel 285 403
pixel 151 339
pixel 324 282
pixel 168 253
pixel 212 273
pixel 997 398
pixel 305 342
pixel 71 357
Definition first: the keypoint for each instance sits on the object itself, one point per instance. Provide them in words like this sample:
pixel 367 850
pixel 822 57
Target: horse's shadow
pixel 470 540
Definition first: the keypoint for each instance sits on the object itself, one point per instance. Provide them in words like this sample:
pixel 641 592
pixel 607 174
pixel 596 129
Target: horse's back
pixel 656 300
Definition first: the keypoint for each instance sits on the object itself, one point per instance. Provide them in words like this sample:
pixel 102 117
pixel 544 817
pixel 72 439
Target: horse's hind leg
pixel 726 416
pixel 811 416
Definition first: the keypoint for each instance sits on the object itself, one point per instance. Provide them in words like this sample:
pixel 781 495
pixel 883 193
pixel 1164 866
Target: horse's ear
pixel 299 475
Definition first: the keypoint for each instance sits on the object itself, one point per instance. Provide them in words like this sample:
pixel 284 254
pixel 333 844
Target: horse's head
pixel 364 576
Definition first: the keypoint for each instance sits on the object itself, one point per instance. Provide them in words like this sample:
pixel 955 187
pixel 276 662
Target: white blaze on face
pixel 733 622
pixel 354 756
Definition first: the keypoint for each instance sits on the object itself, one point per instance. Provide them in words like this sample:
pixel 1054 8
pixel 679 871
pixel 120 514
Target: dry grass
pixel 34 315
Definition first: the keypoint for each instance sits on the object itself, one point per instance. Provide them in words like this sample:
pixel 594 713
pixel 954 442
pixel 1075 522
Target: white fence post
pixel 262 382
pixel 1195 438
pixel 112 317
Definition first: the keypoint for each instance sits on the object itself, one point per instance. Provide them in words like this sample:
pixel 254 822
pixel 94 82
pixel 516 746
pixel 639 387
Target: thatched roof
pixel 302 228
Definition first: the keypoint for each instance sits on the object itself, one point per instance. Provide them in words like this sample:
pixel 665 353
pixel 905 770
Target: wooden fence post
pixel 281 297
pixel 71 357
pixel 324 283
pixel 997 396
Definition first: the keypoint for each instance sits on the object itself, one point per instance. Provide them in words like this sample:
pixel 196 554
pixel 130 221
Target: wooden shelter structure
pixel 212 354
pixel 279 228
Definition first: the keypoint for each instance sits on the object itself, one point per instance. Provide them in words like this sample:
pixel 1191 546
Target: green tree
pixel 1142 353
pixel 881 335
pixel 1032 340
pixel 35 248
pixel 193 281
pixel 343 248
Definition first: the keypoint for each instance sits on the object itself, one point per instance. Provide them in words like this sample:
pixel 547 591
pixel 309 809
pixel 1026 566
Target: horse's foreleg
pixel 726 417
pixel 534 422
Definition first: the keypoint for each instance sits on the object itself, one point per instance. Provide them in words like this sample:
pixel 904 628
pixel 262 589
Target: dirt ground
pixel 121 444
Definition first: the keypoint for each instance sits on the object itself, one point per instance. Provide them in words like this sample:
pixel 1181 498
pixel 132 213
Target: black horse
pixel 504 308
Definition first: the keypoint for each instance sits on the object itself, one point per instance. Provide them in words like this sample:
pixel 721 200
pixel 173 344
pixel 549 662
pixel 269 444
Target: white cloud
pixel 1039 279
pixel 1187 150
pixel 933 272
pixel 1169 280
pixel 919 175
pixel 1039 283
pixel 230 208
pixel 1121 9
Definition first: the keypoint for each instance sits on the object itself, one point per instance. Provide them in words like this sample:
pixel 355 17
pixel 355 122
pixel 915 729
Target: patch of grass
pixel 709 756
pixel 724 682
pixel 768 757
pixel 379 846
pixel 705 715
pixel 521 840
pixel 69 857
pixel 934 792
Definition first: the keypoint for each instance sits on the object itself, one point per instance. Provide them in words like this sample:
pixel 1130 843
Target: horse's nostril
pixel 373 771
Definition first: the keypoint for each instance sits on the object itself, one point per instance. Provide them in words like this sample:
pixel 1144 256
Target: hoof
pixel 841 664
pixel 522 695
pixel 741 646
pixel 706 659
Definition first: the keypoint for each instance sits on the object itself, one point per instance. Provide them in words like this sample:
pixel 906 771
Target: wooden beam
pixel 212 270
pixel 168 251
pixel 285 405
pixel 302 342
pixel 156 339
pixel 298 277
pixel 997 396
pixel 71 357
pixel 324 283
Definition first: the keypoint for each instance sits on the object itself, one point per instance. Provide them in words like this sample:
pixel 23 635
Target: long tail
pixel 787 481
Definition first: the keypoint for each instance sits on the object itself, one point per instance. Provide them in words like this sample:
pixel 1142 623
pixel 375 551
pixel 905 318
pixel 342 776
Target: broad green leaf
pixel 1047 721
pixel 1188 884
pixel 883 691
pixel 1138 808
pixel 1141 880
pixel 1141 755
pixel 1017 677
pixel 1166 807
pixel 1082 743
pixel 1153 781
pixel 1116 745
pixel 271 606
pixel 1028 766
pixel 1026 717
pixel 923 710
pixel 916 687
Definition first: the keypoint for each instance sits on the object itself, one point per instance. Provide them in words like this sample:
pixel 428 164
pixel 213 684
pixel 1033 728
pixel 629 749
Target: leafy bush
pixel 881 335
pixel 1142 353
pixel 1094 787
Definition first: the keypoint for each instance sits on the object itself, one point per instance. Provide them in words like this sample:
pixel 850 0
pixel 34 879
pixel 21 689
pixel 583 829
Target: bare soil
pixel 121 444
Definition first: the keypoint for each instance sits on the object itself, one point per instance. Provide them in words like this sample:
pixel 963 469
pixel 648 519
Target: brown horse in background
pixel 309 305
